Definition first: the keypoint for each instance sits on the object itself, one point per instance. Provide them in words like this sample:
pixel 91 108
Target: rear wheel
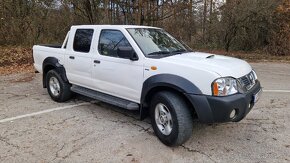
pixel 57 88
pixel 171 118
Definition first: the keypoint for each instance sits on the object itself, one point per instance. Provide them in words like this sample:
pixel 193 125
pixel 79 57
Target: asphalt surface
pixel 33 128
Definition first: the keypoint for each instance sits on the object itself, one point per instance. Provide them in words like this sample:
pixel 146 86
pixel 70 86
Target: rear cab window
pixel 82 40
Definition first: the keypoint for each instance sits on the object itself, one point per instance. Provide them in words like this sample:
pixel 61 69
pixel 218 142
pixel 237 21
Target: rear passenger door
pixel 79 57
pixel 113 74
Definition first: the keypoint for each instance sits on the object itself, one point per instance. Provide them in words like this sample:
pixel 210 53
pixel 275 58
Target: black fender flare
pixel 52 63
pixel 171 81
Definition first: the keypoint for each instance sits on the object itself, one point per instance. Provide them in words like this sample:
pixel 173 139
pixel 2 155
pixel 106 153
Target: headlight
pixel 225 86
pixel 255 75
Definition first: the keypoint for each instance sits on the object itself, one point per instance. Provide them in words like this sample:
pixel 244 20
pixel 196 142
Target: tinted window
pixel 82 40
pixel 156 41
pixel 109 42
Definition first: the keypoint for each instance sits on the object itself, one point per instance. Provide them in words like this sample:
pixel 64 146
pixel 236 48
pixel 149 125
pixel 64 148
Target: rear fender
pixel 52 63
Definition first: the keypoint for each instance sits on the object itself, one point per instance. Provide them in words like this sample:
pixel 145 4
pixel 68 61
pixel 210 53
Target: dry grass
pixel 19 59
pixel 25 68
pixel 15 60
pixel 10 56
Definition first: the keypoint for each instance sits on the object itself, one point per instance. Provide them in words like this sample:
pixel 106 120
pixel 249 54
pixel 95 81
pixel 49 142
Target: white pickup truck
pixel 146 69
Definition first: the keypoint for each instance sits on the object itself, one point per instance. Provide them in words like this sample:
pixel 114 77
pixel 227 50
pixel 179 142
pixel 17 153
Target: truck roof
pixel 110 26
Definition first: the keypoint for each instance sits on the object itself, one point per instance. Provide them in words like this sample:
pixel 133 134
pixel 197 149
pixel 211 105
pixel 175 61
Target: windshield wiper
pixel 159 52
pixel 179 51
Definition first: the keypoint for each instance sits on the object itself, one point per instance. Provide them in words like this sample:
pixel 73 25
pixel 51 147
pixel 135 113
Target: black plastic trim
pixel 58 46
pixel 211 109
pixel 52 63
pixel 170 81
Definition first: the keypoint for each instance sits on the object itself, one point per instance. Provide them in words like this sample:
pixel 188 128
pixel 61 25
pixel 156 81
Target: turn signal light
pixel 215 89
pixel 153 68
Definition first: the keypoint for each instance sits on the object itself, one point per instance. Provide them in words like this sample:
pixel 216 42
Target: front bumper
pixel 212 109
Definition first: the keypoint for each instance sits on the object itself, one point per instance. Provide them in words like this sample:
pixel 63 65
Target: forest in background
pixel 229 25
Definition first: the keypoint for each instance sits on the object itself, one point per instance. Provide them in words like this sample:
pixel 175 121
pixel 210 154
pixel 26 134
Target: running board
pixel 126 104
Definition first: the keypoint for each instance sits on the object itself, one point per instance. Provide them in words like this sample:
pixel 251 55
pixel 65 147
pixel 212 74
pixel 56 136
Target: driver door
pixel 113 74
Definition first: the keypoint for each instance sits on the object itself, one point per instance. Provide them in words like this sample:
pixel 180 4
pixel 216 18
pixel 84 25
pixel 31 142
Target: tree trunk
pixel 204 19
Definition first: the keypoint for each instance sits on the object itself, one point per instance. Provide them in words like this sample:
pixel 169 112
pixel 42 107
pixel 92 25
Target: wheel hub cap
pixel 54 86
pixel 163 119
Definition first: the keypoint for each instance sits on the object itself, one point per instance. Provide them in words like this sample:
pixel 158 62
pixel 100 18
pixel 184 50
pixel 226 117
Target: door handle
pixel 71 57
pixel 97 61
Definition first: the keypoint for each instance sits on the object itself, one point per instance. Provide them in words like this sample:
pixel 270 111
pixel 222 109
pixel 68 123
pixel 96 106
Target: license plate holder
pixel 257 96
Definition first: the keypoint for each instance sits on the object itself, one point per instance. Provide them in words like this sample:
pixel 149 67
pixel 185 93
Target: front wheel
pixel 57 88
pixel 171 118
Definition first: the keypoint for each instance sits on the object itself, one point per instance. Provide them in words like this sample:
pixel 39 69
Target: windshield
pixel 156 42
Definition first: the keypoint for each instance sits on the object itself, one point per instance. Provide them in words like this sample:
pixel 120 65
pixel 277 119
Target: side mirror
pixel 127 52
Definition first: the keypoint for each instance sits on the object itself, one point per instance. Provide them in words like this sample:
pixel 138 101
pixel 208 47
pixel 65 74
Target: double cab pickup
pixel 146 69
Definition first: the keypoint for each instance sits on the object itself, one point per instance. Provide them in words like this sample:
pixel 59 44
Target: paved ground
pixel 96 132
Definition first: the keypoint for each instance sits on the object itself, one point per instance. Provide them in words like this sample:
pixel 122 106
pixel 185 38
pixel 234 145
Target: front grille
pixel 248 81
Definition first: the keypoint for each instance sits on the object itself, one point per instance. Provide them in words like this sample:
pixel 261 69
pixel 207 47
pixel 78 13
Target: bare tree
pixel 229 25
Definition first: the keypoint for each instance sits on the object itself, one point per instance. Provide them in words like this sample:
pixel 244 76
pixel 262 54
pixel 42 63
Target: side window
pixel 110 41
pixel 82 40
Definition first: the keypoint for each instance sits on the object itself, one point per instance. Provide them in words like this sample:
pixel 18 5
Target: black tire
pixel 64 92
pixel 182 121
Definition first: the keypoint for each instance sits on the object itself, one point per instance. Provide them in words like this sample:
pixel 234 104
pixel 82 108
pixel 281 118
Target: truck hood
pixel 222 65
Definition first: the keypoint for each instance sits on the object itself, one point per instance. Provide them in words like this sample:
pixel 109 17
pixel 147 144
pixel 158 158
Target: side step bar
pixel 126 104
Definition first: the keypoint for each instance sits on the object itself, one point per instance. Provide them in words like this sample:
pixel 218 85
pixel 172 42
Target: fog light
pixel 233 114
